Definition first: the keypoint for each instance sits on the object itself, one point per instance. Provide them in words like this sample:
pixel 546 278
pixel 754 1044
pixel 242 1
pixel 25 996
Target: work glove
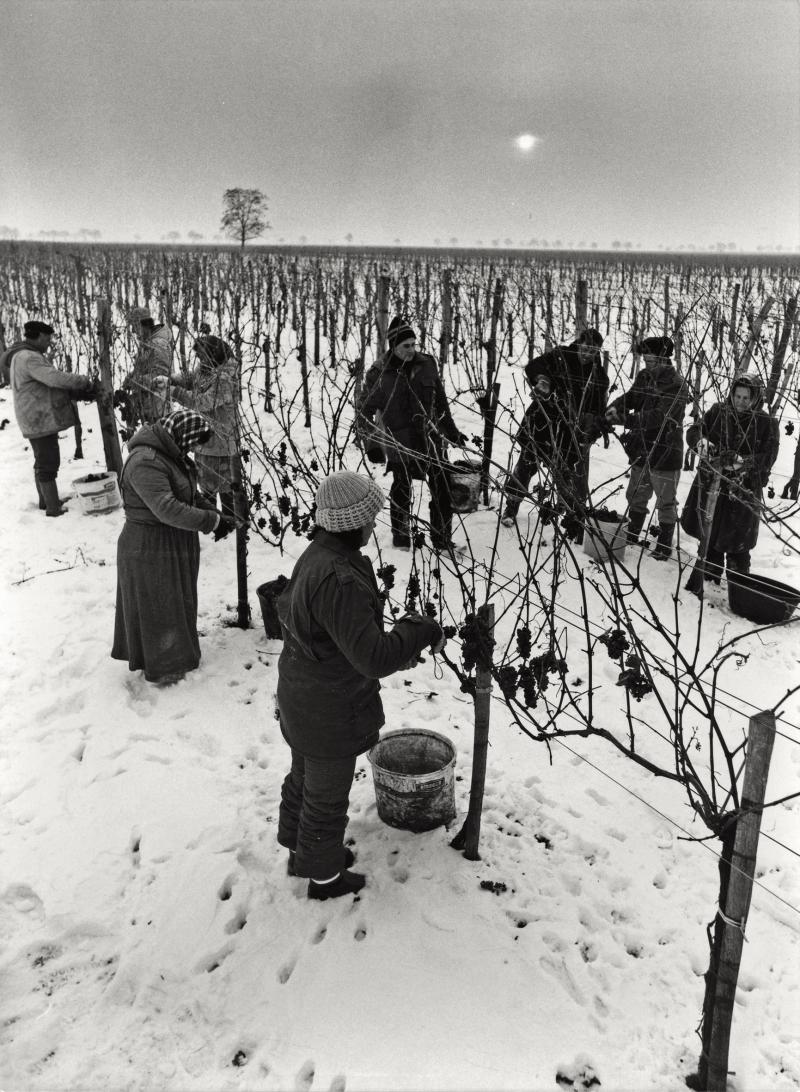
pixel 223 528
pixel 789 491
pixel 375 454
pixel 704 447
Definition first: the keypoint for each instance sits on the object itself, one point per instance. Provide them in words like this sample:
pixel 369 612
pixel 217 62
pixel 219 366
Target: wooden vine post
pixel 447 320
pixel 105 394
pixel 755 333
pixel 737 868
pixel 581 306
pixel 489 399
pixel 382 314
pixel 789 315
pixel 468 837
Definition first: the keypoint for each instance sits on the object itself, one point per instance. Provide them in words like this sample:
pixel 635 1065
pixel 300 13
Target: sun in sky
pixel 526 142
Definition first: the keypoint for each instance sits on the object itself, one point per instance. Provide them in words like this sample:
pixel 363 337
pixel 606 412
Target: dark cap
pixel 656 346
pixel 400 331
pixel 34 329
pixel 590 336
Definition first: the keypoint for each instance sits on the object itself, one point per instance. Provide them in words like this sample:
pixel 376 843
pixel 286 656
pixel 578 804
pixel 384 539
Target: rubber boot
pixel 349 860
pixel 635 523
pixel 346 883
pixel 42 504
pixel 663 548
pixel 739 563
pixel 509 517
pixel 52 503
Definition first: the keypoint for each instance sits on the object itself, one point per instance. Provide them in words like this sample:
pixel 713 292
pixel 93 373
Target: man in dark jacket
pixel 652 413
pixel 744 442
pixel 580 390
pixel 407 397
pixel 334 652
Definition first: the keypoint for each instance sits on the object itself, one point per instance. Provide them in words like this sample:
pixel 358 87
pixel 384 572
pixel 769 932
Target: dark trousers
pixel 441 506
pixel 518 481
pixel 46 457
pixel 313 813
pixel 715 563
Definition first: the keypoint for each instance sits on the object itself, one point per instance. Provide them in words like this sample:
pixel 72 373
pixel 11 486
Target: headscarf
pixel 187 428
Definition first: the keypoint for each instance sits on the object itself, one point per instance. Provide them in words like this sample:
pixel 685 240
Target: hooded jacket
pixel 42 400
pixel 752 437
pixel 159 485
pixel 213 393
pixel 335 650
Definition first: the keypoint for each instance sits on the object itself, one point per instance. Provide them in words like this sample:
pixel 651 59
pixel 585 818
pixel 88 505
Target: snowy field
pixel 151 938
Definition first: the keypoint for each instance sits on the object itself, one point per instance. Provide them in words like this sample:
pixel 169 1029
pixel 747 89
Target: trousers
pixel 313 813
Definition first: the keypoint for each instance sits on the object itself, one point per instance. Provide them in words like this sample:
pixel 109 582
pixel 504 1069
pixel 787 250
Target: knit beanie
pixel 399 331
pixel 347 501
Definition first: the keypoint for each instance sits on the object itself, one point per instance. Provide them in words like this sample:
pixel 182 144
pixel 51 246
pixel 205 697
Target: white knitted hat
pixel 347 501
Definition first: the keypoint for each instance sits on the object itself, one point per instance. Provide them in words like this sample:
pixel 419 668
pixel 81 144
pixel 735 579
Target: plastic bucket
pixel 602 537
pixel 465 485
pixel 414 783
pixel 761 599
pixel 267 594
pixel 98 492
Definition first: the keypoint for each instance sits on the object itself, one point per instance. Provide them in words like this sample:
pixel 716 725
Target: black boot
pixel 635 523
pixel 349 860
pixel 739 563
pixel 42 504
pixel 663 548
pixel 346 883
pixel 52 503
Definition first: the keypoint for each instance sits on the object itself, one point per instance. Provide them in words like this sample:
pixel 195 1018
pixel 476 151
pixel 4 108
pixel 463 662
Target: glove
pixel 223 528
pixel 789 491
pixel 704 447
pixel 375 454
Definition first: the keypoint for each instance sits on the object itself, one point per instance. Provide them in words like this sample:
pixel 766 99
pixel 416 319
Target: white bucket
pixel 603 537
pixel 98 492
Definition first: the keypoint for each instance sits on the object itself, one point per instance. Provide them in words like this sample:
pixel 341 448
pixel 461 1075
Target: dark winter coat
pixel 43 396
pixel 652 413
pixel 580 390
pixel 158 557
pixel 752 436
pixel 407 401
pixel 335 650
pixel 580 387
pixel 540 429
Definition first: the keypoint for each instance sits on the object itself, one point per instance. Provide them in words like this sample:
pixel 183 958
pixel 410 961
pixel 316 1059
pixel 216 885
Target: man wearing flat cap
pixel 43 407
pixel 153 358
pixel 652 413
pixel 404 408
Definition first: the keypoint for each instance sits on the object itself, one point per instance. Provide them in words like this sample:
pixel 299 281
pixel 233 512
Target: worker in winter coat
pixel 536 439
pixel 580 391
pixel 334 652
pixel 742 440
pixel 212 389
pixel 408 398
pixel 43 406
pixel 148 400
pixel 652 413
pixel 158 552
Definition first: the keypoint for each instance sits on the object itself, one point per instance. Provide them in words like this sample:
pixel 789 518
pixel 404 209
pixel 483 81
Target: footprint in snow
pixel 320 934
pixel 284 974
pixel 360 933
pixel 305 1077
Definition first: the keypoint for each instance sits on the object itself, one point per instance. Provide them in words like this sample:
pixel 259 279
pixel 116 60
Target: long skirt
pixel 156 621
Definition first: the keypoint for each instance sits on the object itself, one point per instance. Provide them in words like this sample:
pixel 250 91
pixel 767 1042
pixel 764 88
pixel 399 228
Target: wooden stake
pixel 736 887
pixel 581 305
pixel 469 835
pixel 382 317
pixel 790 312
pixel 105 395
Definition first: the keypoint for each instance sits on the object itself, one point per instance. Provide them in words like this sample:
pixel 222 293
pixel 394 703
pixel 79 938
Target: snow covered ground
pixel 151 937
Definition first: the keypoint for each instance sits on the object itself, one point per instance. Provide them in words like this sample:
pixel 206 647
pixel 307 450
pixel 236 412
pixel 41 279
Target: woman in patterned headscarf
pixel 158 553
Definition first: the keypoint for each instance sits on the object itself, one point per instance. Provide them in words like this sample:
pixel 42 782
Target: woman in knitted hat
pixel 334 652
pixel 158 552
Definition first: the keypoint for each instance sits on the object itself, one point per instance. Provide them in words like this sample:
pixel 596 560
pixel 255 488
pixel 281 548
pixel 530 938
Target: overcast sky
pixel 657 122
